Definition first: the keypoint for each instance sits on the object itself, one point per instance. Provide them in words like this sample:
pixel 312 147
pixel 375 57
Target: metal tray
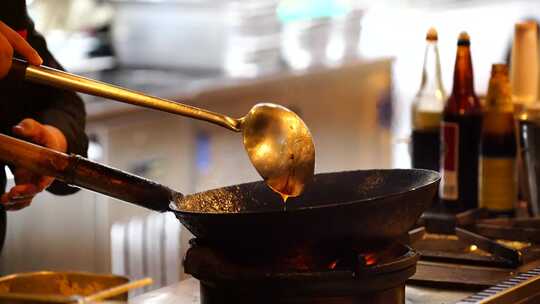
pixel 56 287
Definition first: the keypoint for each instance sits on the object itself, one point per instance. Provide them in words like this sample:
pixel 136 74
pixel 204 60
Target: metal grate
pixel 513 290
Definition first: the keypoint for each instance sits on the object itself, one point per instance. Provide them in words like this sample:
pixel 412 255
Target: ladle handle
pixel 22 70
pixel 79 171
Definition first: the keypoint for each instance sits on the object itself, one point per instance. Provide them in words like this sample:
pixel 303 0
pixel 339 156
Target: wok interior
pixel 327 189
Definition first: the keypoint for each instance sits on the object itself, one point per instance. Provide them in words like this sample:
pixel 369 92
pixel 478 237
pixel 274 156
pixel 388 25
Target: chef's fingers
pixel 44 182
pixel 24 176
pixel 43 135
pixel 55 139
pixel 32 130
pixel 17 206
pixel 4 199
pixel 18 200
pixel 6 54
pixel 19 196
pixel 20 45
pixel 19 191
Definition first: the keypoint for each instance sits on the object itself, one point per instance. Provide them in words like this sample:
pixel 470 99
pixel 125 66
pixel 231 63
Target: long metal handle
pixel 117 290
pixel 68 81
pixel 79 171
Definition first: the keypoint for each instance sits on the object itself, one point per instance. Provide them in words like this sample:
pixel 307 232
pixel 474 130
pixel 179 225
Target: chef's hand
pixel 10 41
pixel 28 184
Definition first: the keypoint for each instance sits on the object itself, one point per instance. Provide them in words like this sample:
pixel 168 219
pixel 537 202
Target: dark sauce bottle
pixel 427 109
pixel 498 151
pixel 460 136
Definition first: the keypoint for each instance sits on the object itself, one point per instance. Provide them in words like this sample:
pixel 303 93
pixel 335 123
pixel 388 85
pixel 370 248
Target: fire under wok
pixel 368 207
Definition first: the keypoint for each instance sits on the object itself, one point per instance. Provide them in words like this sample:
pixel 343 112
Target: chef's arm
pixel 49 117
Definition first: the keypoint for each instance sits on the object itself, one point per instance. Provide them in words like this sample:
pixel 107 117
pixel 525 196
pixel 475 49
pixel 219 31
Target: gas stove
pixel 470 251
pixel 302 275
pixel 473 260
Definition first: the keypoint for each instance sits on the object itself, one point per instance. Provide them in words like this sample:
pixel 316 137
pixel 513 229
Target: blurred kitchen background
pixel 349 68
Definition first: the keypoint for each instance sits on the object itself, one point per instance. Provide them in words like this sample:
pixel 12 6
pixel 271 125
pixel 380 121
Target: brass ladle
pixel 276 140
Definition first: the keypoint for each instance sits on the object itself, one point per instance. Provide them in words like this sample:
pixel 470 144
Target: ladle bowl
pixel 280 148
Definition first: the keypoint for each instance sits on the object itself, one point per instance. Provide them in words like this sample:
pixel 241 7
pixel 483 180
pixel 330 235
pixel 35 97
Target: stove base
pixel 213 295
pixel 352 277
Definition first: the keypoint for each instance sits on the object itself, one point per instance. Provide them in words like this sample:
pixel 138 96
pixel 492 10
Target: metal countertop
pixel 187 291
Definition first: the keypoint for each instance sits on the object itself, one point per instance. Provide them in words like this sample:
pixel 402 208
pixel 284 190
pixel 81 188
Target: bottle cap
pixel 432 34
pixel 464 39
pixel 525 26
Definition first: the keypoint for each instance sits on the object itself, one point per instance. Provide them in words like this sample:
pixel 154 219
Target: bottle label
pixel 498 183
pixel 450 160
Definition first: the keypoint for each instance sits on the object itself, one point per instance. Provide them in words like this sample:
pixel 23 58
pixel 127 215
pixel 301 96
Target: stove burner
pixel 471 250
pixel 306 275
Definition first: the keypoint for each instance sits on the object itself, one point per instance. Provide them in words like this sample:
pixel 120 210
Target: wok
pixel 365 206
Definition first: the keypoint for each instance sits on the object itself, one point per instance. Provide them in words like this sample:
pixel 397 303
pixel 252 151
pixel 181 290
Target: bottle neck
pixel 431 72
pixel 499 95
pixel 463 72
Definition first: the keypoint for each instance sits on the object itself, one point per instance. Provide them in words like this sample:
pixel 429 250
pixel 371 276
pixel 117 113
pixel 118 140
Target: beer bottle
pixel 460 136
pixel 427 109
pixel 498 179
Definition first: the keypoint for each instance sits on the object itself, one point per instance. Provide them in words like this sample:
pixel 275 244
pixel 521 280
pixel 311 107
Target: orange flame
pixel 370 259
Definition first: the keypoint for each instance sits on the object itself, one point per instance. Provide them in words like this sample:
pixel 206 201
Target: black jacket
pixel 19 100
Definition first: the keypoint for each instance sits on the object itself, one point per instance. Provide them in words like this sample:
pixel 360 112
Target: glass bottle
pixel 460 136
pixel 427 109
pixel 498 178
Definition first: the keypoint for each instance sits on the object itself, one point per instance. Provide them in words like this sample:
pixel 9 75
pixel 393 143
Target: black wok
pixel 365 207
pixel 361 206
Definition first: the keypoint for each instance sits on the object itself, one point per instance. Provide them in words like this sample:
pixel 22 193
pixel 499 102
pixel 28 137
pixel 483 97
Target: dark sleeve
pixel 59 108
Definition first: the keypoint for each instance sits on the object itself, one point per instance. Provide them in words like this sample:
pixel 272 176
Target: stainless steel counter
pixel 187 292
pixel 427 295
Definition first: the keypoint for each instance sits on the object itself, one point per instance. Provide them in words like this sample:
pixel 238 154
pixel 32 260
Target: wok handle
pixel 79 171
pixel 21 70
